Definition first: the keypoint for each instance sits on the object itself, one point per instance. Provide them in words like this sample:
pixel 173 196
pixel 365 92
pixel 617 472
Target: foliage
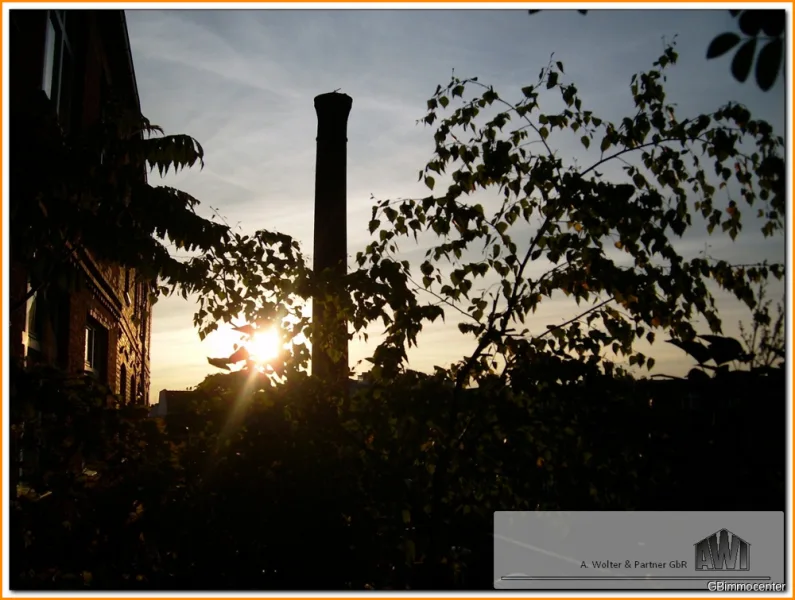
pixel 762 350
pixel 757 27
pixel 577 220
pixel 271 473
pixel 765 342
pixel 88 473
pixel 254 487
pixel 94 196
pixel 611 246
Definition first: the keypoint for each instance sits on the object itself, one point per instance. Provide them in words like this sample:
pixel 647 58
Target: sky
pixel 242 82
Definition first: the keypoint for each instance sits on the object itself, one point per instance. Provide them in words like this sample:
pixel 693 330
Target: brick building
pixel 78 58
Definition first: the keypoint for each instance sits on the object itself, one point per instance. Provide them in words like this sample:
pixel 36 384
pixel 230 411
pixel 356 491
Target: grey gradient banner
pixel 660 551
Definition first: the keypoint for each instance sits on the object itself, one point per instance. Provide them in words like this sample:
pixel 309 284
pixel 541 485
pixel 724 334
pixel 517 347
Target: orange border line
pixel 388 3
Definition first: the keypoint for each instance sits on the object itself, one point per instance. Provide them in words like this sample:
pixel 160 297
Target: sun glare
pixel 264 346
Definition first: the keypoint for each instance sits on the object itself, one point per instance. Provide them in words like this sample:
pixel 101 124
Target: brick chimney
pixel 331 237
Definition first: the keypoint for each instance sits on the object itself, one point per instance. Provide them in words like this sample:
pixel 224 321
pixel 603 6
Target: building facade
pixel 102 326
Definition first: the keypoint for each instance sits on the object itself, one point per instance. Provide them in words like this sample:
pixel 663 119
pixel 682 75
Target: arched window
pixel 133 391
pixel 123 384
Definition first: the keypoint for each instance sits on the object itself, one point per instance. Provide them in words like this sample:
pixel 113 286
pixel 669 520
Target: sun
pixel 265 346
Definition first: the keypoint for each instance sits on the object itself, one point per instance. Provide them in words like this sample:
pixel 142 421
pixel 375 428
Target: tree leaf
pixel 697 375
pixel 722 44
pixel 741 65
pixel 768 63
pixel 430 182
pixel 698 351
pixel 773 22
pixel 724 349
pixel 219 363
pixel 245 329
pixel 239 355
pixel 751 22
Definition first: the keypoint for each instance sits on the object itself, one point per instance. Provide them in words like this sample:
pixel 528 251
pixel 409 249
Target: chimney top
pixel 333 103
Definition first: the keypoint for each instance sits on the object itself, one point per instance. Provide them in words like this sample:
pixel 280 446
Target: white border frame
pixel 363 6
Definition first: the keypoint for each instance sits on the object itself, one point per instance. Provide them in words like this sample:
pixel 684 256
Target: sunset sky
pixel 243 81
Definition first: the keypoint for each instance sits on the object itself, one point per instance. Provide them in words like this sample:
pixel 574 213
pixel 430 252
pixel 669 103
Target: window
pixel 96 349
pixel 144 316
pixel 133 391
pixel 58 66
pixel 31 336
pixel 91 335
pixel 138 300
pixel 123 384
pixel 127 286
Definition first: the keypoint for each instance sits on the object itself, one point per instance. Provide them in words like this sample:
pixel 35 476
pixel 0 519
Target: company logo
pixel 723 551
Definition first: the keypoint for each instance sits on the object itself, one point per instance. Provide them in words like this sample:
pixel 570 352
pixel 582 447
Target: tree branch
pixel 574 319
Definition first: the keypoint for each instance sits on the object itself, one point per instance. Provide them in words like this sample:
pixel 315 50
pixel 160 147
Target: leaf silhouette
pixel 246 329
pixel 722 44
pixel 219 363
pixel 532 12
pixel 698 351
pixel 741 65
pixel 768 63
pixel 697 375
pixel 773 22
pixel 751 21
pixel 239 354
pixel 724 349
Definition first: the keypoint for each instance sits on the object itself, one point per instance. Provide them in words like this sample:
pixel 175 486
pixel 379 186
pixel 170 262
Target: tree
pixel 756 27
pixel 89 473
pixel 87 191
pixel 609 245
pixel 400 482
pixel 765 341
pixel 77 195
pixel 578 220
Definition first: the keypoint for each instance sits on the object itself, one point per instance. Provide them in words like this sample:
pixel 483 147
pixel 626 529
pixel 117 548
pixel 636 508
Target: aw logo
pixel 723 551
